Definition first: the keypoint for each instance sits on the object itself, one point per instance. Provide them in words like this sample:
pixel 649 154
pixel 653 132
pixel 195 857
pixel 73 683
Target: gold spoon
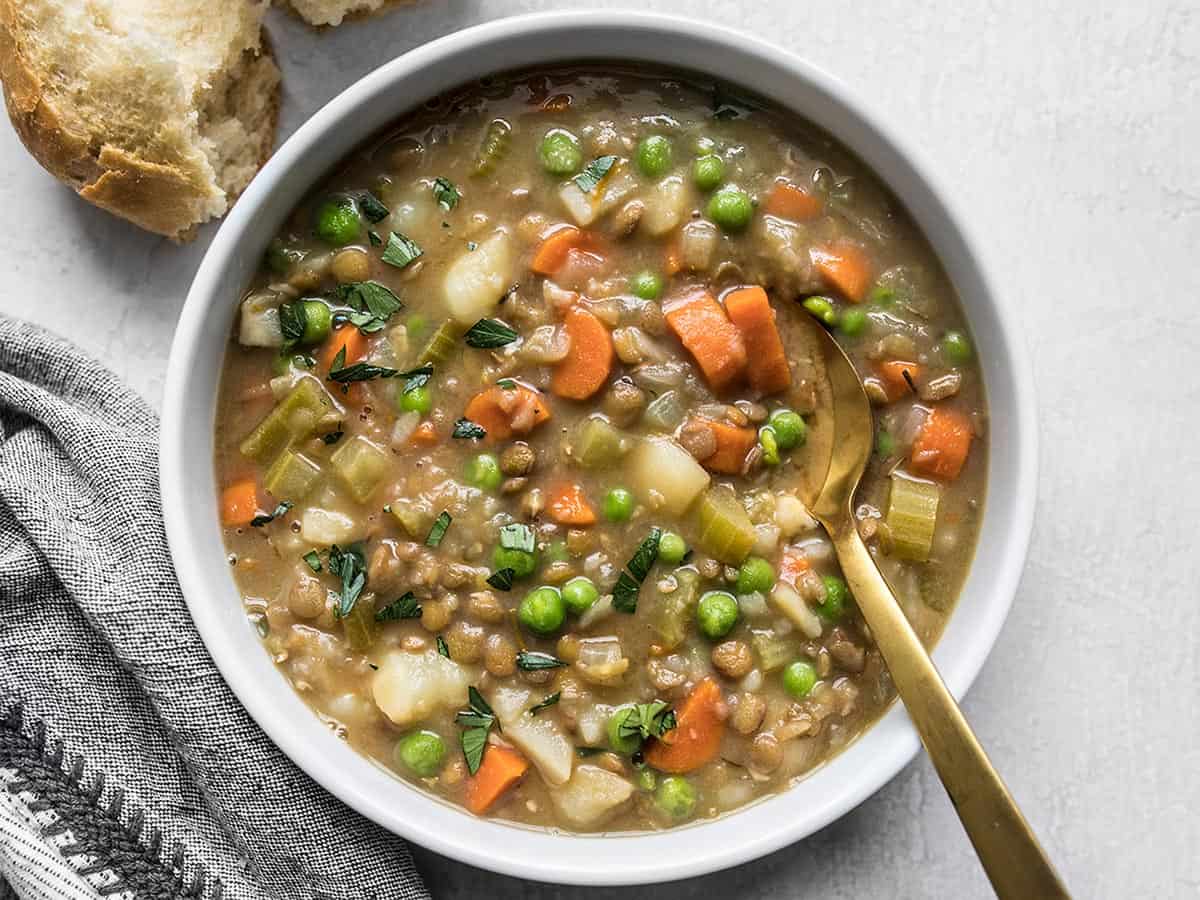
pixel 1014 861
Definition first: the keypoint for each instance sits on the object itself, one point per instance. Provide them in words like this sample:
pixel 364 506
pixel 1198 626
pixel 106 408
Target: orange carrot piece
pixel 239 503
pixel 942 444
pixel 347 336
pixel 568 505
pixel 700 323
pixel 696 738
pixel 588 362
pixel 750 310
pixel 552 252
pixel 501 769
pixel 733 443
pixel 507 411
pixel 424 435
pixel 846 267
pixel 793 564
pixel 790 201
pixel 892 373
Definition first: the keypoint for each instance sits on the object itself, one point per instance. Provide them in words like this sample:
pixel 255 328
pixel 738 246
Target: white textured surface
pixel 1070 132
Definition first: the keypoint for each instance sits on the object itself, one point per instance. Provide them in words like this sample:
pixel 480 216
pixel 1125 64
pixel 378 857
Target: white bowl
pixel 189 491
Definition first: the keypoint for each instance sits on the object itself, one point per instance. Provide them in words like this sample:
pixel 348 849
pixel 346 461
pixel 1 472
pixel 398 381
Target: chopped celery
pixel 291 476
pixel 598 443
pixel 774 652
pixel 294 418
pixel 665 412
pixel 360 626
pixel 726 532
pixel 494 146
pixel 412 518
pixel 672 612
pixel 361 464
pixel 442 343
pixel 911 516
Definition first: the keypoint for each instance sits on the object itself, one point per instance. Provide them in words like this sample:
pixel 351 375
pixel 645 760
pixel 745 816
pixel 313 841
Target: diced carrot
pixel 696 738
pixel 355 342
pixel 699 321
pixel 846 267
pixel 767 365
pixel 589 359
pixel 504 412
pixel 942 444
pixel 732 442
pixel 673 258
pixel 552 252
pixel 239 503
pixel 568 505
pixel 892 373
pixel 424 435
pixel 793 564
pixel 790 201
pixel 501 769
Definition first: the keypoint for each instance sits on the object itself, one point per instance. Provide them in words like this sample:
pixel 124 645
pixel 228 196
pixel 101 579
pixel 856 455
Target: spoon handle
pixel 1014 861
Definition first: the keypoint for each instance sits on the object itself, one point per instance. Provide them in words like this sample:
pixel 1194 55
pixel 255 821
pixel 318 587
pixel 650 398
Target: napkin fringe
pixel 102 825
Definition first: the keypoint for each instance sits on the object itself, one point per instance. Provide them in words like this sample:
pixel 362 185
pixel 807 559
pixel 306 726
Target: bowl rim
pixel 750 832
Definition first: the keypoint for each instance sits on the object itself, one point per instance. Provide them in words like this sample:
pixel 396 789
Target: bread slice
pixel 160 111
pixel 332 12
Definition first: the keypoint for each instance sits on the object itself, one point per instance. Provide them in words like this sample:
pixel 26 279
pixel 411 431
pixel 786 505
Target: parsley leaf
pixel 333 437
pixel 502 580
pixel 418 377
pixel 488 334
pixel 629 583
pixel 400 250
pixel 280 510
pixel 647 720
pixel 477 720
pixel 438 531
pixel 536 661
pixel 507 383
pixel 351 567
pixel 374 238
pixel 545 704
pixel 517 536
pixel 405 607
pixel 372 207
pixel 292 319
pixel 446 193
pixel 442 648
pixel 593 173
pixel 313 560
pixel 465 428
pixel 372 304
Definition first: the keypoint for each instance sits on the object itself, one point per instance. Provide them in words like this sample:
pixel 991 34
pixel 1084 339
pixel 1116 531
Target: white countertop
pixel 1071 134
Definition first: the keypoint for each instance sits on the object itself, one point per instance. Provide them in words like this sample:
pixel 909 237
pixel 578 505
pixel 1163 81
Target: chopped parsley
pixel 400 250
pixel 537 661
pixel 360 371
pixel 374 238
pixel 545 704
pixel 593 173
pixel 351 567
pixel 476 721
pixel 629 583
pixel 438 531
pixel 292 320
pixel 507 383
pixel 487 334
pixel 280 510
pixel 502 579
pixel 446 194
pixel 405 607
pixel 442 648
pixel 333 437
pixel 313 560
pixel 372 207
pixel 465 428
pixel 647 720
pixel 416 378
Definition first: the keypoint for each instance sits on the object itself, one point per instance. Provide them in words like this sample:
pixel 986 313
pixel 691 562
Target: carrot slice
pixel 568 505
pixel 714 342
pixel 424 435
pixel 347 336
pixel 846 267
pixel 552 252
pixel 941 446
pixel 504 412
pixel 793 564
pixel 790 201
pixel 239 503
pixel 895 375
pixel 733 443
pixel 589 360
pixel 501 769
pixel 696 738
pixel 750 310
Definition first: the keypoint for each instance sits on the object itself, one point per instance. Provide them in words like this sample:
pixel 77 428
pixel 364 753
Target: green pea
pixel 647 285
pixel 627 744
pixel 281 258
pixel 837 596
pixel 318 322
pixel 882 295
pixel 645 778
pixel 703 144
pixel 755 574
pixel 579 594
pixel 560 152
pixel 416 325
pixel 853 323
pixel 769 441
pixel 790 430
pixel 618 505
pixel 716 614
pixel 671 548
pixel 822 308
pixel 654 156
pixel 731 209
pixel 522 562
pixel 542 610
pixel 957 347
pixel 799 678
pixel 417 400
pixel 707 171
pixel 337 221
pixel 483 471
pixel 885 445
pixel 675 796
pixel 421 752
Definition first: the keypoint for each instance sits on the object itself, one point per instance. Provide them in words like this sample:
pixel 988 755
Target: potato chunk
pixel 409 686
pixel 591 796
pixel 475 282
pixel 665 476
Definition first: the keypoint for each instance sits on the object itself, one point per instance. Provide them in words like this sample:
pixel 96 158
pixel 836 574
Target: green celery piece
pixel 442 344
pixel 291 476
pixel 664 412
pixel 415 521
pixel 911 516
pixel 725 531
pixel 360 625
pixel 774 652
pixel 361 464
pixel 598 443
pixel 294 418
pixel 672 612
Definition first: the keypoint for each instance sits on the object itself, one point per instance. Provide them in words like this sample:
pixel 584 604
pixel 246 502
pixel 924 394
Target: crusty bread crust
pixel 156 196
